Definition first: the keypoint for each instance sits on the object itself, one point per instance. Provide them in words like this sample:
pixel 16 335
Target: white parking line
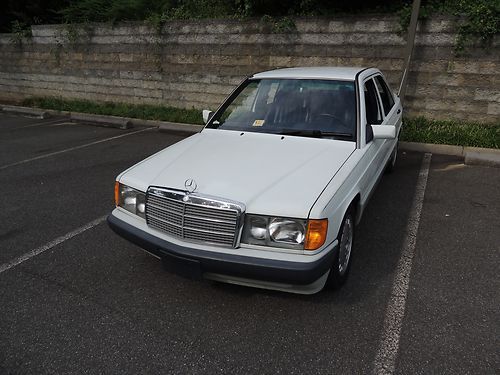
pixel 42 123
pixel 39 123
pixel 7 266
pixel 71 149
pixel 61 124
pixel 385 359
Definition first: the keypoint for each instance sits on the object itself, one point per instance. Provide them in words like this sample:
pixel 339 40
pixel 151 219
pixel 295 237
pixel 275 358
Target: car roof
pixel 324 72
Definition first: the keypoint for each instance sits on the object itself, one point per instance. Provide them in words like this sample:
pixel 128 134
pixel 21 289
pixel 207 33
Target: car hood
pixel 271 174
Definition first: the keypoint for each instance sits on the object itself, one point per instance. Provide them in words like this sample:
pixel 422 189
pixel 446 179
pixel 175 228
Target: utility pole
pixel 412 29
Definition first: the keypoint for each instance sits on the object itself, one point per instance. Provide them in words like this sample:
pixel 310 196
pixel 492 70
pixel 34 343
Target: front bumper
pixel 192 262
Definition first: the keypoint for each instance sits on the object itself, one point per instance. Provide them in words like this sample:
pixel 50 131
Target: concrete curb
pixel 432 148
pixel 482 156
pixel 119 122
pixel 168 126
pixel 472 155
pixel 129 122
pixel 35 112
pixel 116 121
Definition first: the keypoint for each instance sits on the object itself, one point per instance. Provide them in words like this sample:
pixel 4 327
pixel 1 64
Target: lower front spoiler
pixel 195 263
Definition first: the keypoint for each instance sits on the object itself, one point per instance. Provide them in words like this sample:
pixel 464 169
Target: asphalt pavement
pixel 94 303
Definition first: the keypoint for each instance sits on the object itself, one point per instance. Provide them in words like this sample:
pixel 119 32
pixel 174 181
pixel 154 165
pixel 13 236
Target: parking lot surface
pixel 76 298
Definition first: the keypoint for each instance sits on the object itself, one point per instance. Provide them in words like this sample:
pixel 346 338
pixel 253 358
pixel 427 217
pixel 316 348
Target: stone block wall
pixel 197 63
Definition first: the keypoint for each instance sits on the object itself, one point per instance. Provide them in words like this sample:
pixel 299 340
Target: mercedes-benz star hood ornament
pixel 190 185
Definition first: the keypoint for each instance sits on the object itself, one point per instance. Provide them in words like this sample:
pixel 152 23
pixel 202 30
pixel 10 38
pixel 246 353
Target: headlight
pixel 257 227
pixel 130 199
pixel 274 231
pixel 286 233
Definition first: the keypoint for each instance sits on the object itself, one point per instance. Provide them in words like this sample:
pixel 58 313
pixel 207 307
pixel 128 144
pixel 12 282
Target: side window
pixel 385 94
pixel 372 106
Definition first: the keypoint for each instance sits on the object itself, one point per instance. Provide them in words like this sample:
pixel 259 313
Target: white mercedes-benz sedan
pixel 269 192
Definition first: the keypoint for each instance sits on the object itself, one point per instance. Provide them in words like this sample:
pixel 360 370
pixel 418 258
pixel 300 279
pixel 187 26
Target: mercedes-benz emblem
pixel 190 185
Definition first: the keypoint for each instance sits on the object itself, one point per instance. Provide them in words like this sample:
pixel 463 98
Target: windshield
pixel 307 107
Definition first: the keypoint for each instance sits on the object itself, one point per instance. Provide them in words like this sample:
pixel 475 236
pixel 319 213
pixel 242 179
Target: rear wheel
pixel 342 261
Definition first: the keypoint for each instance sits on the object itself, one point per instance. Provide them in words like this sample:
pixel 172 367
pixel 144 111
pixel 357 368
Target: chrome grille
pixel 194 217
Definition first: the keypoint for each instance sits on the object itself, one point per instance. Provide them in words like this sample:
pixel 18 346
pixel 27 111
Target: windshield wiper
pixel 313 133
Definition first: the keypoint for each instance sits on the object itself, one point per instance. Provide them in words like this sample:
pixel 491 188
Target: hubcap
pixel 345 245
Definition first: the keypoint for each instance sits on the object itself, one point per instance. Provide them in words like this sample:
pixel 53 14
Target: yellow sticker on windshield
pixel 258 123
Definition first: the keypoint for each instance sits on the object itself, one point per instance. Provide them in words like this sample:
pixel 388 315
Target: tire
pixel 343 259
pixel 391 164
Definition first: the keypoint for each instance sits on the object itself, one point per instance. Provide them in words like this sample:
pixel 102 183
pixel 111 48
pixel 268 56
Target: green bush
pixel 458 133
pixel 143 111
pixel 20 32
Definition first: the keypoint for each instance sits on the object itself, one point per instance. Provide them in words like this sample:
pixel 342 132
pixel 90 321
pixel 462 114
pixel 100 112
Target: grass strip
pixel 457 133
pixel 417 129
pixel 140 111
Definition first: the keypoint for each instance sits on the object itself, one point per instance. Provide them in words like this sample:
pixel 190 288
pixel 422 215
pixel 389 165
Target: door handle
pixel 399 111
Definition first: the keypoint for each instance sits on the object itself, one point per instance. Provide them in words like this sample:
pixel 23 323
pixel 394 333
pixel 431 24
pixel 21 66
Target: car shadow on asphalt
pixel 378 242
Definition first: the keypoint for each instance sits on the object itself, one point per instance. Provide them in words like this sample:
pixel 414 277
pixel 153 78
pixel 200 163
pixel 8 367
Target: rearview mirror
pixel 384 132
pixel 207 115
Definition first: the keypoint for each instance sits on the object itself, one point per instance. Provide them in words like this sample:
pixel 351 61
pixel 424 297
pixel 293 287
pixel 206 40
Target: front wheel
pixel 342 261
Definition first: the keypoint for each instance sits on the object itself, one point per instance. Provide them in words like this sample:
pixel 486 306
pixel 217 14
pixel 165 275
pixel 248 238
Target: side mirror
pixel 384 131
pixel 207 115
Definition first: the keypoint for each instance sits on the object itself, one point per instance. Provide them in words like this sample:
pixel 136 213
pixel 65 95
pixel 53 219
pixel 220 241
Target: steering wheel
pixel 333 117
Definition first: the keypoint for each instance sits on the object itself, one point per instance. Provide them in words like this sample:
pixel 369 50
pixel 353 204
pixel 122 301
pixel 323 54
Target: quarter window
pixel 385 94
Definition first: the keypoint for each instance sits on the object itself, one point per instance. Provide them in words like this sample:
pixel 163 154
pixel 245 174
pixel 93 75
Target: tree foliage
pixel 30 12
pixel 478 19
pixel 55 11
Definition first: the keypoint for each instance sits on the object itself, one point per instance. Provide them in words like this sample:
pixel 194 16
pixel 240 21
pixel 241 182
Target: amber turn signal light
pixel 316 233
pixel 117 193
